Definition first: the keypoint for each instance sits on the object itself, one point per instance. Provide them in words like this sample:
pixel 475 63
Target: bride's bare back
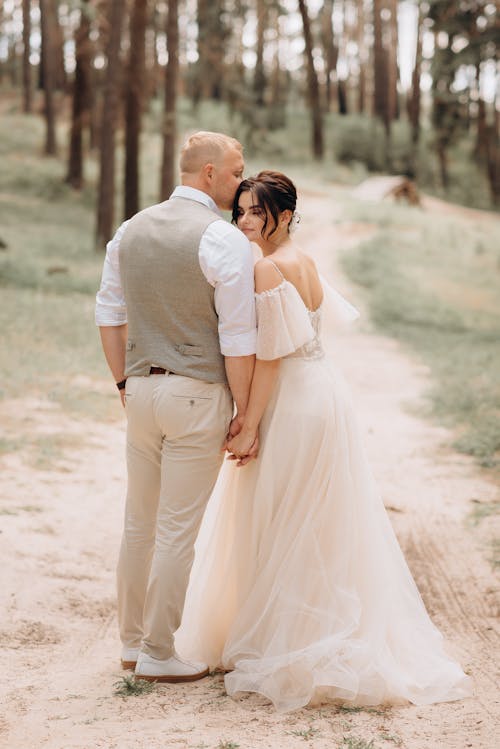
pixel 293 266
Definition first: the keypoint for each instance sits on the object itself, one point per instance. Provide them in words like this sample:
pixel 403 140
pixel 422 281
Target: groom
pixel 177 321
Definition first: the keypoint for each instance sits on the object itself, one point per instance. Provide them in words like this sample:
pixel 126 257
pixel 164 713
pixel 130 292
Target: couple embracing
pixel 299 589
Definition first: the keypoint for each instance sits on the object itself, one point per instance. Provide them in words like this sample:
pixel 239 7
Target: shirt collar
pixel 191 193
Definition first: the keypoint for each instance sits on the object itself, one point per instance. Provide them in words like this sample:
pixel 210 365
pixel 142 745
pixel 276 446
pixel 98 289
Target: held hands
pixel 241 443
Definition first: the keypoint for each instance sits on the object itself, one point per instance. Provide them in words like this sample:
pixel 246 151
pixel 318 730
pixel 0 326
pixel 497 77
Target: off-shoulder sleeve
pixel 336 310
pixel 283 323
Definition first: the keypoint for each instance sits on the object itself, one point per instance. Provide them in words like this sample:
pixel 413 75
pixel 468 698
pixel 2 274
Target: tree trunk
pixel 259 81
pixel 27 92
pixel 106 192
pixel 211 45
pixel 58 38
pixel 342 96
pixel 380 68
pixel 360 21
pixel 392 63
pixel 169 129
pixel 48 73
pixel 414 107
pixel 154 73
pixel 313 86
pixel 134 105
pixel 330 51
pixel 82 92
pixel 480 149
pixel 493 157
pixel 344 37
pixel 278 89
pixel 235 86
pixel 385 76
pixel 443 164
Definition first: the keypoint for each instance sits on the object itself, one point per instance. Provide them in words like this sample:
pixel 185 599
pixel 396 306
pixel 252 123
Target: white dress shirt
pixel 226 261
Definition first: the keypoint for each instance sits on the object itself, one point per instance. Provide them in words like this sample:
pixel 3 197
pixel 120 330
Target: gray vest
pixel 172 322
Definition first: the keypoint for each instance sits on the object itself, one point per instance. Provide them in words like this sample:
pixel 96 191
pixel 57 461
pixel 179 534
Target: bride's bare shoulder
pixel 267 276
pixel 308 261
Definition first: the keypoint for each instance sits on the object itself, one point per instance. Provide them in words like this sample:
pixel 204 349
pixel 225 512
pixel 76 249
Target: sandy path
pixel 59 539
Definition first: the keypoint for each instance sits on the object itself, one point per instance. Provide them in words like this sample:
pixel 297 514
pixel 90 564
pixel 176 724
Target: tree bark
pixel 211 43
pixel 360 21
pixel 392 63
pixel 313 86
pixel 493 156
pixel 380 107
pixel 259 81
pixel 169 129
pixel 134 104
pixel 59 66
pixel 414 104
pixel 342 96
pixel 48 73
pixel 277 84
pixel 106 191
pixel 82 93
pixel 481 148
pixel 330 50
pixel 27 92
pixel 443 164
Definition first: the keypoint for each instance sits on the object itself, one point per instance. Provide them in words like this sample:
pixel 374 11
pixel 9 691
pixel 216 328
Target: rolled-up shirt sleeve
pixel 227 263
pixel 110 308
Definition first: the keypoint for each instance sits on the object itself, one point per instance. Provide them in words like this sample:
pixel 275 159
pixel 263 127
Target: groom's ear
pixel 208 171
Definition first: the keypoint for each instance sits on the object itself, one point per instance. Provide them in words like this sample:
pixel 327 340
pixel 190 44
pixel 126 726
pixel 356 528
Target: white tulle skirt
pixel 299 587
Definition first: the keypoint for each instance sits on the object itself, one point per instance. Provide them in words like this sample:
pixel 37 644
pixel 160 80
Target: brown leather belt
pixel 157 370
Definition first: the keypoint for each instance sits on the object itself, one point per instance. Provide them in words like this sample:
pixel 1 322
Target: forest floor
pixel 61 518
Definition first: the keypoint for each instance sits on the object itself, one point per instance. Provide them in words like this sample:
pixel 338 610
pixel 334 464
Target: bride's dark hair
pixel 273 192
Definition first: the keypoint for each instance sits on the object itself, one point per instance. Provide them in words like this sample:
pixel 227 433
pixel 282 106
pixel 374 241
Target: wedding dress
pixel 299 588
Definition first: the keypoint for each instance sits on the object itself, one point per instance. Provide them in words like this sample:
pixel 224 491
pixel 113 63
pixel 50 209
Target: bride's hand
pixel 243 445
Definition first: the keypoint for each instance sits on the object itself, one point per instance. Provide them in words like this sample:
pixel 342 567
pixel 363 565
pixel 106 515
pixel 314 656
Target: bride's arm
pixel 264 379
pixel 264 376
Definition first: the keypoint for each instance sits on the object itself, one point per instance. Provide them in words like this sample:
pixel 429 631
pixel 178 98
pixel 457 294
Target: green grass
pixel 397 740
pixel 129 686
pixel 307 734
pixel 49 274
pixel 433 282
pixel 351 742
pixel 494 556
pixel 482 510
pixel 359 709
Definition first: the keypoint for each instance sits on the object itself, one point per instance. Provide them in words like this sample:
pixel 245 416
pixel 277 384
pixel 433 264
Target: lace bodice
pixel 313 349
pixel 285 327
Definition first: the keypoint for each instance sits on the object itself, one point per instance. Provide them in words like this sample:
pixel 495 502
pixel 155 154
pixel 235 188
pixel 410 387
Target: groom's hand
pixel 244 446
pixel 234 429
pixel 252 454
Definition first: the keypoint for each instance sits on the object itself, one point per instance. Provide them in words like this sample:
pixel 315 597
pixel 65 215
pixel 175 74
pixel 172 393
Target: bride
pixel 299 589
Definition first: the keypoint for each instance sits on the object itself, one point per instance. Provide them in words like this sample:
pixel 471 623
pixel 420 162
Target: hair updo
pixel 273 192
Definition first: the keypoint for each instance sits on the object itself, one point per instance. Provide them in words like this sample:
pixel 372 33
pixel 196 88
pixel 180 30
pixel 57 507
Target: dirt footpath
pixel 60 529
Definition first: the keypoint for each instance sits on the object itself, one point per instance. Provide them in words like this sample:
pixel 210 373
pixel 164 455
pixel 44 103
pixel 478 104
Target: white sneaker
pixel 129 657
pixel 171 670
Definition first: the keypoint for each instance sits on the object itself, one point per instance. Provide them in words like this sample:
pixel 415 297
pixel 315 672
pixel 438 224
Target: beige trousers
pixel 176 427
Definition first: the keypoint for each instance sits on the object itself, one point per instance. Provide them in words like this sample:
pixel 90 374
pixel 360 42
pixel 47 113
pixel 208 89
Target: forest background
pixel 96 97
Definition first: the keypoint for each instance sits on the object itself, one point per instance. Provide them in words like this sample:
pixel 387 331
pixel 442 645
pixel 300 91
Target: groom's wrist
pixel 121 385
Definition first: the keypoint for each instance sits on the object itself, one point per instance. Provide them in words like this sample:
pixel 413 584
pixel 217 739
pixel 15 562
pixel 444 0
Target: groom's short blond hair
pixel 203 148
